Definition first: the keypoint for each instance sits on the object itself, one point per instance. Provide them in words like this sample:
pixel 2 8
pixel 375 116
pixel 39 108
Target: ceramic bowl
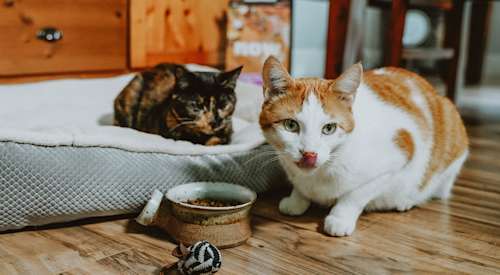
pixel 225 226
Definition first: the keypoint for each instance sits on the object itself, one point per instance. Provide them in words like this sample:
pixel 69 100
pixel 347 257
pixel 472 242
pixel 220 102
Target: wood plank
pixel 94 36
pixel 478 185
pixel 480 176
pixel 255 254
pixel 395 248
pixel 433 229
pixel 190 31
pixel 344 254
pixel 132 262
pixel 70 75
pixel 482 143
pixel 137 42
pixel 33 253
pixel 480 155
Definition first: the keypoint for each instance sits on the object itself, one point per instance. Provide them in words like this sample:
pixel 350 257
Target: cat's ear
pixel 228 79
pixel 180 71
pixel 348 82
pixel 183 76
pixel 276 78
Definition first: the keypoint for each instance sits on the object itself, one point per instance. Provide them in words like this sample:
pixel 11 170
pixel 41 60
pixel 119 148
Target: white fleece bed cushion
pixel 61 159
pixel 80 113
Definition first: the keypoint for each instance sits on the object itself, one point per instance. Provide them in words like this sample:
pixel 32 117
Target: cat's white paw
pixel 339 226
pixel 293 207
pixel 405 207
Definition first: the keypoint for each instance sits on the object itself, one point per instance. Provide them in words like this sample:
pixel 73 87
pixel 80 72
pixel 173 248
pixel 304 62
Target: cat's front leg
pixel 343 217
pixel 294 205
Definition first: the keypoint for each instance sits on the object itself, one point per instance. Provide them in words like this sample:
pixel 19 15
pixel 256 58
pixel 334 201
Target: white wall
pixel 310 22
pixel 310 26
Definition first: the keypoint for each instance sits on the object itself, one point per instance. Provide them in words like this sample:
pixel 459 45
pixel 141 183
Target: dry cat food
pixel 213 202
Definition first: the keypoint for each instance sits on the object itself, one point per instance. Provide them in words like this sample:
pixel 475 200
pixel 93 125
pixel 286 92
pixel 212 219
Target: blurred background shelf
pixel 427 53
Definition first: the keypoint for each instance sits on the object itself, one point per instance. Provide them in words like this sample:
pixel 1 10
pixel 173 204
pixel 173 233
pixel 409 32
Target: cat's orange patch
pixel 213 141
pixel 446 130
pixel 285 95
pixel 450 139
pixel 288 105
pixel 283 107
pixel 404 141
pixel 203 123
pixel 391 87
pixel 337 108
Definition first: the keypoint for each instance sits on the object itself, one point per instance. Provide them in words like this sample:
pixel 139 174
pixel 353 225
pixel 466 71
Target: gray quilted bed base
pixel 41 185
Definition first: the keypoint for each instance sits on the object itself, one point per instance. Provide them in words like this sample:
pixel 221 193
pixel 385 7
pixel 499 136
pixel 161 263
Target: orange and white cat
pixel 379 140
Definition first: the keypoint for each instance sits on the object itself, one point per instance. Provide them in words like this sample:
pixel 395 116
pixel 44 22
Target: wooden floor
pixel 461 236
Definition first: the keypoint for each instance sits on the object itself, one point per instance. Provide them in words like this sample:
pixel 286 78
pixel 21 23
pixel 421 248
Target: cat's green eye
pixel 329 128
pixel 291 125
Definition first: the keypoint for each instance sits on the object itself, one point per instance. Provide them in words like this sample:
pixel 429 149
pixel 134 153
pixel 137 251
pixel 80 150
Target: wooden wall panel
pixel 94 36
pixel 177 31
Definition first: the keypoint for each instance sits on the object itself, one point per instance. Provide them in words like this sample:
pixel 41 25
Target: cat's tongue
pixel 307 161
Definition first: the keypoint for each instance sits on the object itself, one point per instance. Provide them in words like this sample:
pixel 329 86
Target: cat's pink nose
pixel 308 160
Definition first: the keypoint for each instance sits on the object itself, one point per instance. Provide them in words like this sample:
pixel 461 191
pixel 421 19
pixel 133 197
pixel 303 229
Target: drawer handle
pixel 8 3
pixel 49 34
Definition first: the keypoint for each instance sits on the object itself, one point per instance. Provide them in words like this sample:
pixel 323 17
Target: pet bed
pixel 61 159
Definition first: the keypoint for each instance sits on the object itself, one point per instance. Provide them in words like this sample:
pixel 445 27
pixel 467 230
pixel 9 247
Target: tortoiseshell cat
pixel 171 101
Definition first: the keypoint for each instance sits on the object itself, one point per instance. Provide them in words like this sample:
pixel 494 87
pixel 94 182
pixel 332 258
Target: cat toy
pixel 199 259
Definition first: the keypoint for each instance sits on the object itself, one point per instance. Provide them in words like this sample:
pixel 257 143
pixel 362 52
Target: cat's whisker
pixel 220 128
pixel 331 158
pixel 261 154
pixel 269 161
pixel 182 124
pixel 267 153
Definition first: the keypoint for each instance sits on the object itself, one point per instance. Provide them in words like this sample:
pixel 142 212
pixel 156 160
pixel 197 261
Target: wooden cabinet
pixel 115 36
pixel 189 31
pixel 94 36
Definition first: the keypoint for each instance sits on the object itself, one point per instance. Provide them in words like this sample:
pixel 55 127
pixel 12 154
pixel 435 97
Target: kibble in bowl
pixel 213 202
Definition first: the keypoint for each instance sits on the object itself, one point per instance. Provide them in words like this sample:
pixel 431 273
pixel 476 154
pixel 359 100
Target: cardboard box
pixel 256 30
